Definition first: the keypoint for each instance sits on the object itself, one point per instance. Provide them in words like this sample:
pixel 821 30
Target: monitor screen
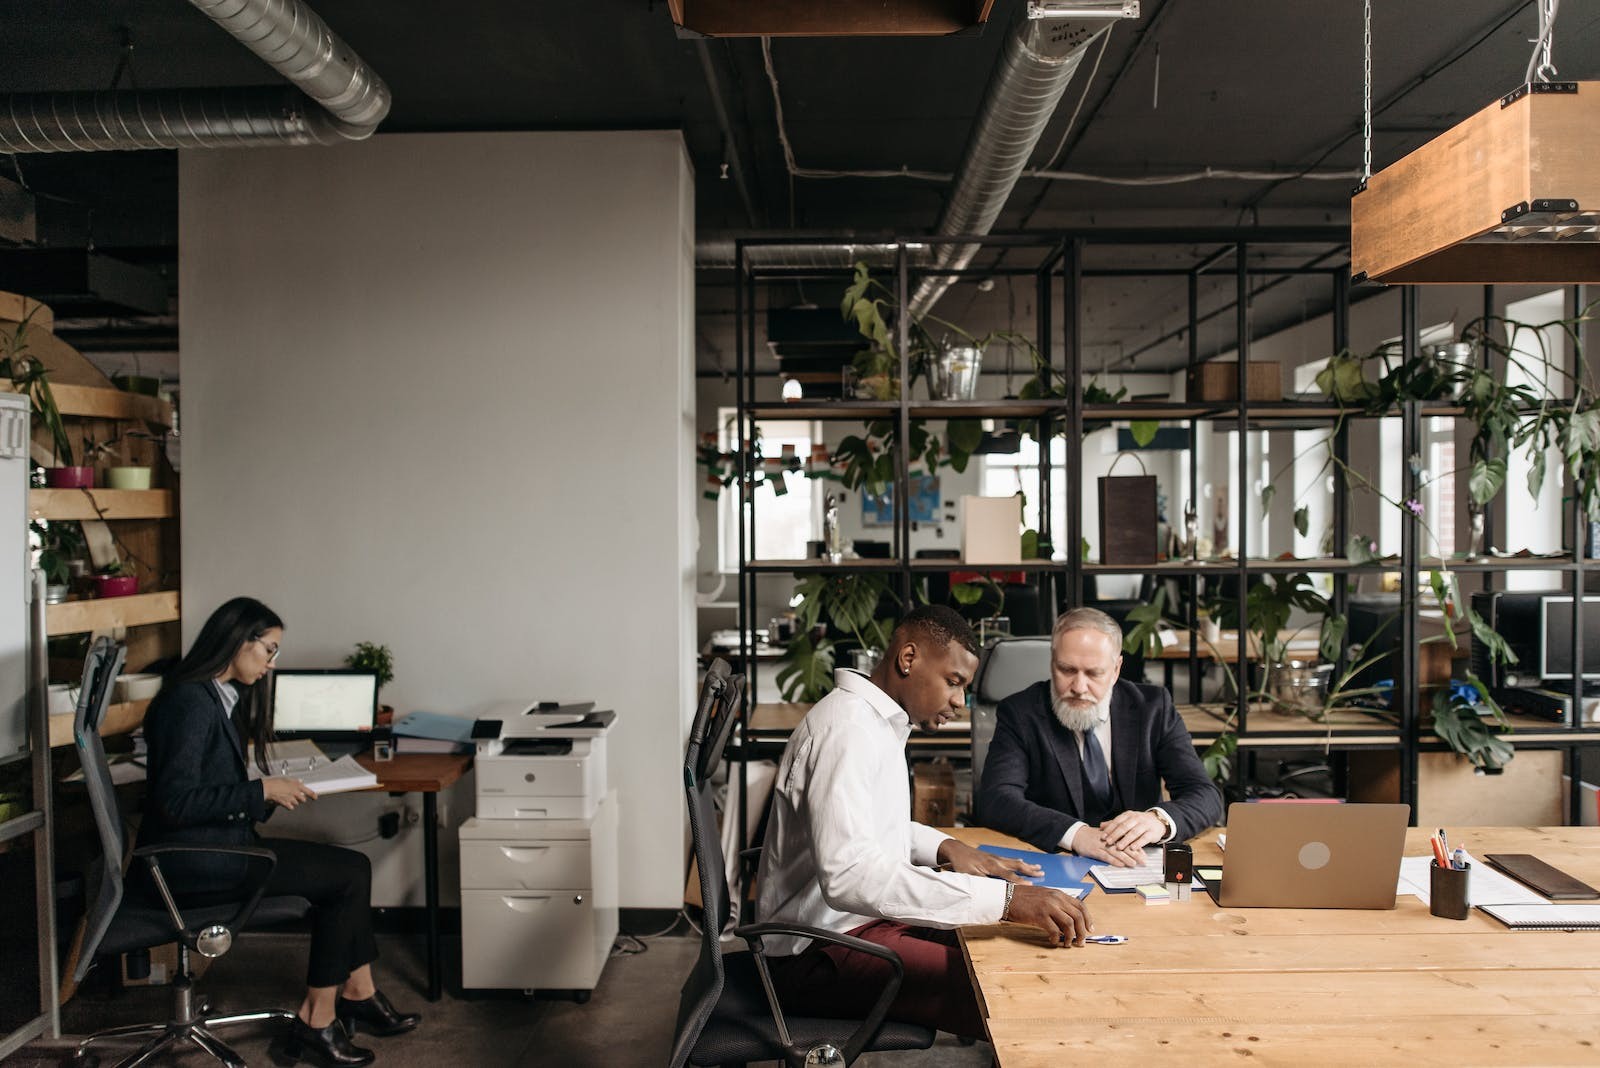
pixel 1556 654
pixel 327 704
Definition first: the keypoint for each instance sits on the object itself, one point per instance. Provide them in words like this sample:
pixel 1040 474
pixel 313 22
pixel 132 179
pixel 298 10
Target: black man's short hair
pixel 937 625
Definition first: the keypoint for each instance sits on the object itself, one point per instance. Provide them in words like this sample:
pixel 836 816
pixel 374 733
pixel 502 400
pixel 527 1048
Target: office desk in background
pixel 1197 984
pixel 426 774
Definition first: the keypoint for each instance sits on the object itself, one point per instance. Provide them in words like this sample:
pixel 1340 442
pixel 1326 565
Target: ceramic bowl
pixel 136 687
pixel 128 478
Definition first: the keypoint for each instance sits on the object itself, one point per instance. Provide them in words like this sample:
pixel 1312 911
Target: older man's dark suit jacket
pixel 198 792
pixel 1032 780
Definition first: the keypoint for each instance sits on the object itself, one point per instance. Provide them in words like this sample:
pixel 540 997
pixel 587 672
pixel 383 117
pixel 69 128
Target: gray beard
pixel 1081 718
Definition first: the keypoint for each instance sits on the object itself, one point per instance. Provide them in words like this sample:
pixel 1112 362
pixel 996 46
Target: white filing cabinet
pixel 538 901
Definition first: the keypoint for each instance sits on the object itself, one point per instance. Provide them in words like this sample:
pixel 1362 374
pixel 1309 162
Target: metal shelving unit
pixel 1060 273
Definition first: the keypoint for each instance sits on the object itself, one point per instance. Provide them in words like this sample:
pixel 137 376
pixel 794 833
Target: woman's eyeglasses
pixel 272 649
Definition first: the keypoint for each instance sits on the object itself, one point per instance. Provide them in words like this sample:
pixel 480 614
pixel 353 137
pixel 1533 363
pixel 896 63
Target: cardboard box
pixel 991 530
pixel 933 794
pixel 1451 794
pixel 1215 380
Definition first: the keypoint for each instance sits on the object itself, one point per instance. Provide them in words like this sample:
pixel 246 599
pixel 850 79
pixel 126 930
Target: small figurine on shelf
pixel 1191 532
pixel 1475 548
pixel 832 535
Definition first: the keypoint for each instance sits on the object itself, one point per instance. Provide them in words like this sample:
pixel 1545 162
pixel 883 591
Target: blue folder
pixel 434 725
pixel 1061 870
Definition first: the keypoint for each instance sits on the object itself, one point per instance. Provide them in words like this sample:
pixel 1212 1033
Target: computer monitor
pixel 1516 616
pixel 325 705
pixel 1555 637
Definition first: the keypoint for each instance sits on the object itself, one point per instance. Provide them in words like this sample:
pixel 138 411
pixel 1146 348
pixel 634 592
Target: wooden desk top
pixel 425 773
pixel 1300 986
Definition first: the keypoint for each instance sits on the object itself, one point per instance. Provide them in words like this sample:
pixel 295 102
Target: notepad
pixel 1551 917
pixel 1152 872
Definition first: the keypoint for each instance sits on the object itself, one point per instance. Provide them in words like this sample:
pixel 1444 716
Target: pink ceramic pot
pixel 116 585
pixel 69 477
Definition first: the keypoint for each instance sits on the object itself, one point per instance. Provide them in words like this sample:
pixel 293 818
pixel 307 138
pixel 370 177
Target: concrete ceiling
pixel 1270 85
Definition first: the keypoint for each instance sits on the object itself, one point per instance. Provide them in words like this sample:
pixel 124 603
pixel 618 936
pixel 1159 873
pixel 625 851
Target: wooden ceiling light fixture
pixel 828 18
pixel 1510 195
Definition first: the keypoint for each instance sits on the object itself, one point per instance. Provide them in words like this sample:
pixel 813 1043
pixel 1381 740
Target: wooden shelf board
pixel 104 613
pixel 100 504
pixel 120 719
pixel 100 403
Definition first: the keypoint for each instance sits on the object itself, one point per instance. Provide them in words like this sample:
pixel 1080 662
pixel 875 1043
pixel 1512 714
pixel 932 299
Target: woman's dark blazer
pixel 197 791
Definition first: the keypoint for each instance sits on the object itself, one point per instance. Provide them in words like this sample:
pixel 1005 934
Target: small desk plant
pixel 370 656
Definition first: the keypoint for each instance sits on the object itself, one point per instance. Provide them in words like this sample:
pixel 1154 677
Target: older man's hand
pixel 1132 830
pixel 1090 842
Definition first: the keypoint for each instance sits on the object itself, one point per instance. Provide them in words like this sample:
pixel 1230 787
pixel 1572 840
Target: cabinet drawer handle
pixel 523 853
pixel 524 904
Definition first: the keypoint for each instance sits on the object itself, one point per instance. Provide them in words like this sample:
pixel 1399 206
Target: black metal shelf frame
pixel 1060 262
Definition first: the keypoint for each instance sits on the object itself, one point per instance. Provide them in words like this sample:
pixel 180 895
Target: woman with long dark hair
pixel 199 794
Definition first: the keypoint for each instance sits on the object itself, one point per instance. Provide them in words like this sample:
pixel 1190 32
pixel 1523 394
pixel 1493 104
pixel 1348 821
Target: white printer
pixel 539 861
pixel 541 760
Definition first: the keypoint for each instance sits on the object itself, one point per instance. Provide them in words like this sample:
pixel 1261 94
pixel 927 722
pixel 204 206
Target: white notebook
pixel 1551 917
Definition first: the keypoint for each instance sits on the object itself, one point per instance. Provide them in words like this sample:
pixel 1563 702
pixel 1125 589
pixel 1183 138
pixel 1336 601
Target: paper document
pixel 1485 886
pixel 322 775
pixel 341 776
pixel 1153 871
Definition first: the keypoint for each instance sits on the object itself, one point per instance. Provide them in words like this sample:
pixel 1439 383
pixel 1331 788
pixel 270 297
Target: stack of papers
pixel 1153 872
pixel 1485 886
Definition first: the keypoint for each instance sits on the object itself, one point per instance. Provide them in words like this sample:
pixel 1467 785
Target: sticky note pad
pixel 1153 895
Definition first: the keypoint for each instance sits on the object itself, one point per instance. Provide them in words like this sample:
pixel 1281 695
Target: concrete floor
pixel 628 1021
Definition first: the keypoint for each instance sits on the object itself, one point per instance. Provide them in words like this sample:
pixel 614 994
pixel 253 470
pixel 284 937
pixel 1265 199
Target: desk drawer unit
pixel 538 900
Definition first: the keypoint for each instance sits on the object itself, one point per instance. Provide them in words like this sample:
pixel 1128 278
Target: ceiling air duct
pixel 1039 58
pixel 286 34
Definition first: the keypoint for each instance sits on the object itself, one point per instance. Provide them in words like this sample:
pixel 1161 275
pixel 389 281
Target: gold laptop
pixel 1294 856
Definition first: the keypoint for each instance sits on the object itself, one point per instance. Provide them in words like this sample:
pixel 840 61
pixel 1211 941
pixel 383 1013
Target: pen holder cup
pixel 1447 891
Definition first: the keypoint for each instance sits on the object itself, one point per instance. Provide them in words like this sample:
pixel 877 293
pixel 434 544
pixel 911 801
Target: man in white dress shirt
pixel 843 854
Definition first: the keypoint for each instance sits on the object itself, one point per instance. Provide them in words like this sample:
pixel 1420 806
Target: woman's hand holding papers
pixel 286 793
pixel 958 856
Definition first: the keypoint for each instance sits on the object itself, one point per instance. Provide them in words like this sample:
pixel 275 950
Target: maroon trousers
pixel 833 981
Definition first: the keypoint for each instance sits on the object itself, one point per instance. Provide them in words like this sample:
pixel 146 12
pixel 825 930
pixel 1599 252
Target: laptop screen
pixel 331 704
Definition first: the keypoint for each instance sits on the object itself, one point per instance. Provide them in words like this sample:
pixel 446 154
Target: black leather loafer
pixel 330 1047
pixel 375 1016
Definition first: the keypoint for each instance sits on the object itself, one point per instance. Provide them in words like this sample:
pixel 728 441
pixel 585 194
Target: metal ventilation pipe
pixel 287 34
pixel 1040 56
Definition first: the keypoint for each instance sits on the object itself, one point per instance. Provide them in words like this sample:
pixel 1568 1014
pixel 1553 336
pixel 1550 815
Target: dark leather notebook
pixel 1552 882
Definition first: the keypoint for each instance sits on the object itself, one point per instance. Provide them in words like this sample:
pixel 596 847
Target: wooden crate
pixel 1216 380
pixel 933 794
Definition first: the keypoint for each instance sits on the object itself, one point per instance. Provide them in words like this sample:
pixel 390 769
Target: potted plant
pixel 117 580
pixel 850 601
pixel 61 548
pixel 370 656
pixel 28 375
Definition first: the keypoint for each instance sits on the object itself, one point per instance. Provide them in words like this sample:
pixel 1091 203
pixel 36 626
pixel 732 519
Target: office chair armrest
pixel 868 1029
pixel 258 868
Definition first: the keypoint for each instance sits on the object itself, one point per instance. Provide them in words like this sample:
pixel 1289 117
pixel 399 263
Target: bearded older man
pixel 1078 761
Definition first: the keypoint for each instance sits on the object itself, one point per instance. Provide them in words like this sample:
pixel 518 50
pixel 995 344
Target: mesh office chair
pixel 1008 665
pixel 117 924
pixel 728 1013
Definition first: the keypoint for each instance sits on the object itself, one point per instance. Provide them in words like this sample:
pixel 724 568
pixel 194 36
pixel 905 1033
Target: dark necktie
pixel 1096 778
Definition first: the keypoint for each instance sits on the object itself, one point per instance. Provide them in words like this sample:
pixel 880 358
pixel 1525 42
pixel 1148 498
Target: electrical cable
pixel 1105 39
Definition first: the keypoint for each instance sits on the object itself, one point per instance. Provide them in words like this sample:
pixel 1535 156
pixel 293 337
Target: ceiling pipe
pixel 286 34
pixel 1040 55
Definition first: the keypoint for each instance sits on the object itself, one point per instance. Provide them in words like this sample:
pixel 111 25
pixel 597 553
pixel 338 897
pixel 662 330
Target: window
pixel 1003 475
pixel 1535 524
pixel 784 522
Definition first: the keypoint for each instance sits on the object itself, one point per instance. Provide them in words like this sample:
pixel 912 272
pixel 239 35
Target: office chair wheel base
pixel 581 996
pixel 82 1060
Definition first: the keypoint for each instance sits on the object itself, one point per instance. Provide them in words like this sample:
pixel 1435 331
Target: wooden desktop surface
pixel 426 773
pixel 1198 984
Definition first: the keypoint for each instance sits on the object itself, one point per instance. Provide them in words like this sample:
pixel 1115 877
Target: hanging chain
pixel 1540 64
pixel 1366 91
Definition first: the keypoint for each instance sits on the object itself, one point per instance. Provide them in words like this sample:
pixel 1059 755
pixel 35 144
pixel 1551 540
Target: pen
pixel 1107 940
pixel 1444 843
pixel 1439 856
